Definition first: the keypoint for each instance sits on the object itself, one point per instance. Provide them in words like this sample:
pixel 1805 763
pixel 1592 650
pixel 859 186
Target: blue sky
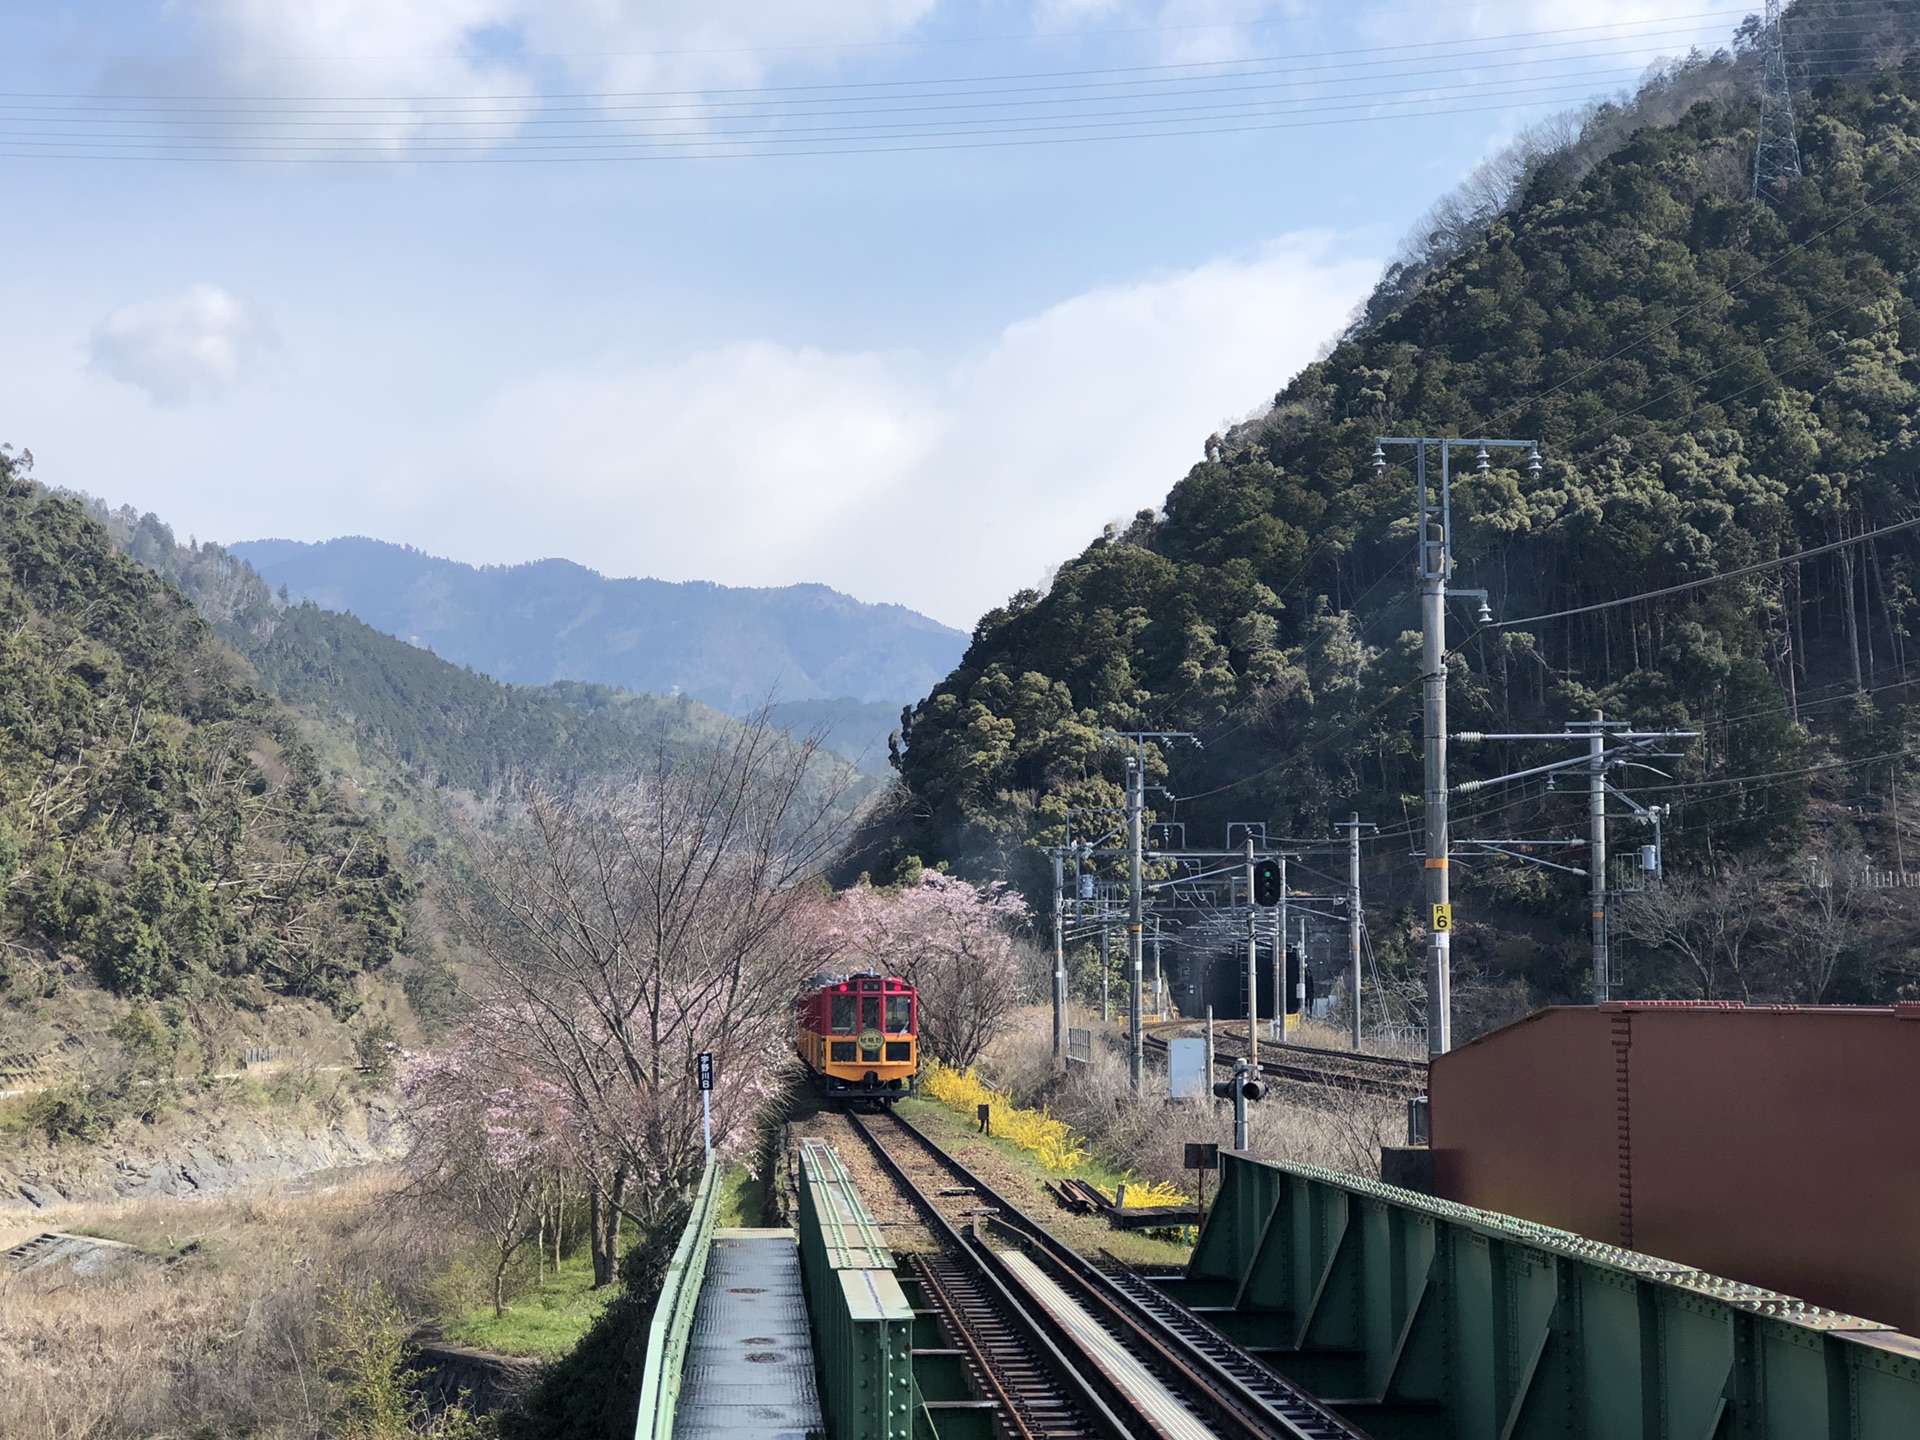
pixel 831 315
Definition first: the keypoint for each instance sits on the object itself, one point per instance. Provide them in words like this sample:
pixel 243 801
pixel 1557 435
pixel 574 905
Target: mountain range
pixel 553 620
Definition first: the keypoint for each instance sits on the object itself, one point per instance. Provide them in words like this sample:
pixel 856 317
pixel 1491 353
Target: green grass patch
pixel 949 1129
pixel 743 1198
pixel 545 1321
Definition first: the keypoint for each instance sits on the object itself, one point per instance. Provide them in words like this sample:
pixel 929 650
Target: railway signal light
pixel 1240 1089
pixel 1267 885
pixel 1246 1085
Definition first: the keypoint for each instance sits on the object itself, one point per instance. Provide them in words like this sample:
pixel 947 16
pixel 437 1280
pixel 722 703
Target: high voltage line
pixel 864 117
pixel 1384 55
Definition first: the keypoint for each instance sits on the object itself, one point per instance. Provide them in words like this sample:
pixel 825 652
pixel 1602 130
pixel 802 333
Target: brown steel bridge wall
pixel 1775 1145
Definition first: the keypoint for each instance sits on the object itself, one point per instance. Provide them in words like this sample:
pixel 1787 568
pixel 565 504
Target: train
pixel 860 1037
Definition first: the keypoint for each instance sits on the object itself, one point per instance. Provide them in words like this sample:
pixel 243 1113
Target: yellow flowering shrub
pixel 1048 1140
pixel 1148 1194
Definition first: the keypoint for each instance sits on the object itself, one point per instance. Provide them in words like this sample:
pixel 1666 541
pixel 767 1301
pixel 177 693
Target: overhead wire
pixel 1774 564
pixel 920 114
pixel 1378 55
pixel 715 134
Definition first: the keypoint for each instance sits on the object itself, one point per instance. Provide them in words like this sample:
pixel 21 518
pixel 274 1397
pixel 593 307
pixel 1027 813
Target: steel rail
pixel 1228 1387
pixel 1088 1394
pixel 1314 1065
pixel 1157 1033
pixel 988 1371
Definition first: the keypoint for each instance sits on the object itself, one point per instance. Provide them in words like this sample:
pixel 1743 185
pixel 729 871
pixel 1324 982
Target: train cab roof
pixel 868 983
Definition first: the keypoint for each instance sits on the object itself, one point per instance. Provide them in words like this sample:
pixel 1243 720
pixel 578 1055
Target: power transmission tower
pixel 1776 151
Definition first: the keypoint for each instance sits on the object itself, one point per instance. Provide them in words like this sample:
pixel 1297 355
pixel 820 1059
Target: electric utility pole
pixel 1629 746
pixel 1106 966
pixel 1597 854
pixel 1776 150
pixel 1137 891
pixel 1253 964
pixel 1136 918
pixel 1433 523
pixel 1353 825
pixel 1280 955
pixel 1059 955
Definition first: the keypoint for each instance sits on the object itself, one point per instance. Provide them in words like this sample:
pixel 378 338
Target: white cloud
pixel 942 488
pixel 418 55
pixel 714 43
pixel 196 345
pixel 466 71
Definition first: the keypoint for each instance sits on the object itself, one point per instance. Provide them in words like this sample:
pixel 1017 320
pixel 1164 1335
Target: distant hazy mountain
pixel 554 620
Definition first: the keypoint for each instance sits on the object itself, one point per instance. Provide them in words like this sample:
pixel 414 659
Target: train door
pixel 871 1033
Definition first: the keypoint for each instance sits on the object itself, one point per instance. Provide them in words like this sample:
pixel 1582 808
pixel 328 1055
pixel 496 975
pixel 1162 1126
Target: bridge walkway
pixel 749 1372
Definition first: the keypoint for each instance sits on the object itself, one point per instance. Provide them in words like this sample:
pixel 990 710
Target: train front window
pixel 870 1012
pixel 899 1014
pixel 843 1014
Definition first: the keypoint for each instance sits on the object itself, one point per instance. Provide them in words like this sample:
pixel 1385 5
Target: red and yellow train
pixel 861 1037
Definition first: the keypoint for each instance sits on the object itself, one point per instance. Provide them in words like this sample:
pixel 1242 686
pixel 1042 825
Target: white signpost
pixel 706 1098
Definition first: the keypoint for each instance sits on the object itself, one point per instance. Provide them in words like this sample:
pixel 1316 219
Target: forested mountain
pixel 553 620
pixel 402 704
pixel 160 817
pixel 1715 380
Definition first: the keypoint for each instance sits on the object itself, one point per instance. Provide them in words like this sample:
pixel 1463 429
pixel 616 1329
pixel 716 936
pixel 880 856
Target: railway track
pixel 1304 1064
pixel 1071 1347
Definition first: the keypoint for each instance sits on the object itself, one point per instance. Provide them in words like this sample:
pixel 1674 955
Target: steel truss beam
pixel 1421 1318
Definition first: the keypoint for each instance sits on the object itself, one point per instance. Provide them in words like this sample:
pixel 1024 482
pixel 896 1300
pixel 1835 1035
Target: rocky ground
pixel 204 1151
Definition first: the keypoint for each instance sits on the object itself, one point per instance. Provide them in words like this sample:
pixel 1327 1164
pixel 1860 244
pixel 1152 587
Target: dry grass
pixel 211 1329
pixel 1335 1128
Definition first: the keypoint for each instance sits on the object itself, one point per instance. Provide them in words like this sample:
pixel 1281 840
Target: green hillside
pixel 401 705
pixel 1715 380
pixel 161 819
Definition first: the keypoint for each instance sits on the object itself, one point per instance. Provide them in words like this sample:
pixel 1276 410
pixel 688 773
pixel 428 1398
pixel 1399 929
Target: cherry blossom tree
pixel 626 930
pixel 487 1139
pixel 955 942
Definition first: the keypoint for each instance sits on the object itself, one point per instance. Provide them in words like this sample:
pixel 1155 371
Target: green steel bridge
pixel 1404 1317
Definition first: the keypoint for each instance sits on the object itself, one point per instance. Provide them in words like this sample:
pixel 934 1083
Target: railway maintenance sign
pixel 705 1071
pixel 1187 1069
pixel 1442 919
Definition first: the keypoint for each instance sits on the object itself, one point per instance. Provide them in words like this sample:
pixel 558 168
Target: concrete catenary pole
pixel 1433 684
pixel 1433 522
pixel 1106 961
pixel 1253 964
pixel 1353 922
pixel 1159 975
pixel 1597 856
pixel 1208 1092
pixel 1136 920
pixel 1280 956
pixel 1303 967
pixel 1059 957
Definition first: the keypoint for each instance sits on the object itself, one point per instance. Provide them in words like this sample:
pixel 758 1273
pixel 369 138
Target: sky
pixel 906 297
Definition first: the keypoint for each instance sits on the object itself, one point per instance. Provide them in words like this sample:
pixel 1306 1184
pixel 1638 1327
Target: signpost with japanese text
pixel 706 1097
